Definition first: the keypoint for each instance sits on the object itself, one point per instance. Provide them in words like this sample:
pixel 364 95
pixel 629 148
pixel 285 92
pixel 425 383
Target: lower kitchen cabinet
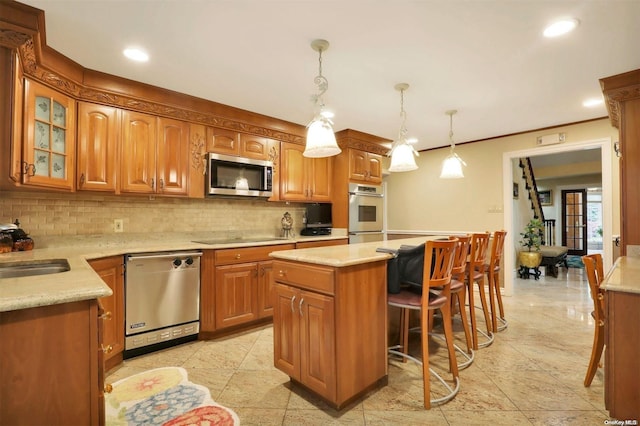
pixel 51 365
pixel 329 327
pixel 235 286
pixel 111 270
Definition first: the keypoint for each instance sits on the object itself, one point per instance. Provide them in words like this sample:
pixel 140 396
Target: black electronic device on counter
pixel 318 220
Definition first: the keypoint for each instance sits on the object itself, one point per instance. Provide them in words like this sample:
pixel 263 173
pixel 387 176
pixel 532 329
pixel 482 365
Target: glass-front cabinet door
pixel 49 144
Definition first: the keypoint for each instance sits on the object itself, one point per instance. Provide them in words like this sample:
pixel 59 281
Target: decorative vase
pixel 530 259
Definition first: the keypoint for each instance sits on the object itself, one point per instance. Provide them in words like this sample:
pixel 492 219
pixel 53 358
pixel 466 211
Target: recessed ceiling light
pixel 560 27
pixel 593 102
pixel 136 54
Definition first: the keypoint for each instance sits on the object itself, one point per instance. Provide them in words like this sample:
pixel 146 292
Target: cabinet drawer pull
pixel 106 316
pixel 107 349
pixel 282 273
pixel 108 388
pixel 300 306
pixel 238 256
pixel 292 308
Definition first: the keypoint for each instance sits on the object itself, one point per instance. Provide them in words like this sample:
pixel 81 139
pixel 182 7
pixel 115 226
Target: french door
pixel 574 221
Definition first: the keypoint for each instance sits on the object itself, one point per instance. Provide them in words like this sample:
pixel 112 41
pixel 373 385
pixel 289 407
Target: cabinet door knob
pixel 108 388
pixel 106 316
pixel 107 349
pixel 238 256
pixel 153 183
pixel 82 179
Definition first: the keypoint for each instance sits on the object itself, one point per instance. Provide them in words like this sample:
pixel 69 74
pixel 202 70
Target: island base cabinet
pixel 304 346
pixel 330 327
pixel 50 367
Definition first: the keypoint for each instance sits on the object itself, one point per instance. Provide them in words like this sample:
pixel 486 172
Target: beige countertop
pixel 81 282
pixel 347 255
pixel 624 276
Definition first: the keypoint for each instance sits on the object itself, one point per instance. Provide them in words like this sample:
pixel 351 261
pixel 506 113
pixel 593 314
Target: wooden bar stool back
pixel 595 274
pixel 493 276
pixel 475 274
pixel 459 293
pixel 438 263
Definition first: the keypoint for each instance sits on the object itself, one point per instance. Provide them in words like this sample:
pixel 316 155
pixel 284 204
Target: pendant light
pixel 452 164
pixel 321 141
pixel 402 152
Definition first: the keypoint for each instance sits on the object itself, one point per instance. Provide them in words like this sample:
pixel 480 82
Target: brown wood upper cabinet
pixel 98 139
pixel 49 145
pixel 365 166
pixel 229 142
pixel 154 155
pixel 302 178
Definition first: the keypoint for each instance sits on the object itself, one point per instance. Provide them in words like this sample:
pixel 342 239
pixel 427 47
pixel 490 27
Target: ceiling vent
pixel 553 139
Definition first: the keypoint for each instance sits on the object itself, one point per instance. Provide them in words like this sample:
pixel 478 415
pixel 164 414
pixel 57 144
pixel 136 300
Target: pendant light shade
pixel 452 164
pixel 321 140
pixel 402 152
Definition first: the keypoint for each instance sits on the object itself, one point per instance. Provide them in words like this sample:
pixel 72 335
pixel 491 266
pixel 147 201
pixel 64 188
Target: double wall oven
pixel 366 204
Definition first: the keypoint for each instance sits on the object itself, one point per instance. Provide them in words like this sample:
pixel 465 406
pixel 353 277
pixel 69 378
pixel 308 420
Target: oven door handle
pixel 366 194
pixel 166 256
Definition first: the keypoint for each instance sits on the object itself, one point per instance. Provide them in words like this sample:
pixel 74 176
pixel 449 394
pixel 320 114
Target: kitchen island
pixel 330 317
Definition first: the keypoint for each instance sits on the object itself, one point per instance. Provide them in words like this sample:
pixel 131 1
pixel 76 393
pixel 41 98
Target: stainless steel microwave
pixel 238 176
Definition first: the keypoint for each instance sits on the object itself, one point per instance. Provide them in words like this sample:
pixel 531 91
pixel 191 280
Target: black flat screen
pixel 319 215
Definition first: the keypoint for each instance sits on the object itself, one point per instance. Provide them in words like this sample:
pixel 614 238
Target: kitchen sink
pixel 239 240
pixel 33 267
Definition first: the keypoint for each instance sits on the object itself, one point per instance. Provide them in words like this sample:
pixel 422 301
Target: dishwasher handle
pixel 165 255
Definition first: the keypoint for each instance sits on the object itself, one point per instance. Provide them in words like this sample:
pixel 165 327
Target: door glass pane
pixel 43 108
pixel 57 168
pixel 59 114
pixel 58 139
pixel 42 135
pixel 42 163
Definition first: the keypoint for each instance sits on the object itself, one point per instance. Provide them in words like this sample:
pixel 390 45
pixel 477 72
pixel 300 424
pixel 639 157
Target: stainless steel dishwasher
pixel 162 300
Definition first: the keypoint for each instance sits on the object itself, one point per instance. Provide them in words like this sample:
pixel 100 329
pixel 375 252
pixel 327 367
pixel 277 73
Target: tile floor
pixel 531 374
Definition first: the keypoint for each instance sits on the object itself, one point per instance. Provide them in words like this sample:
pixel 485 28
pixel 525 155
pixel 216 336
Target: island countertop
pixel 347 255
pixel 624 276
pixel 81 282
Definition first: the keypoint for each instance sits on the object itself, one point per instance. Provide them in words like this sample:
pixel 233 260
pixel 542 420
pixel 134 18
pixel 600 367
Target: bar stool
pixel 595 275
pixel 459 295
pixel 438 263
pixel 493 276
pixel 475 274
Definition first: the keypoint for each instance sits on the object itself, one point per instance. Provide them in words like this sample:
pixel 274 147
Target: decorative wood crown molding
pixel 33 69
pixel 618 89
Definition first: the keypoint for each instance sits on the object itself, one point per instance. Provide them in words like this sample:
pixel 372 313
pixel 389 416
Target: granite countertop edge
pixel 81 282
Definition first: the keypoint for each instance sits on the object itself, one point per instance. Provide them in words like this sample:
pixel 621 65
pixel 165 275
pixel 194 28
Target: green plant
pixel 532 235
pixel 599 231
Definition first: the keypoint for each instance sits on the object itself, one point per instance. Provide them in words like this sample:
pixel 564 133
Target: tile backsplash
pixel 46 214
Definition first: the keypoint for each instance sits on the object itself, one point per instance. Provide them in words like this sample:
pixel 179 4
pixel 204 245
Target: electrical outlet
pixel 118 225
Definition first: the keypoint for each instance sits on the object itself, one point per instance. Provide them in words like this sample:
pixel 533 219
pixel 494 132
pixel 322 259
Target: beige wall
pixel 44 215
pixel 421 201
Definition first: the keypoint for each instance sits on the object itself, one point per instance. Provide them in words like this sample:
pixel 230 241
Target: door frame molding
pixel 507 188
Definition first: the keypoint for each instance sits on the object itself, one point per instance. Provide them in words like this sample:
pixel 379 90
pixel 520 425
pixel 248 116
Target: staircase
pixel 532 191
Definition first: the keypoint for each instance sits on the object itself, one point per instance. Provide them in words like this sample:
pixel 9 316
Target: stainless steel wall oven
pixel 366 206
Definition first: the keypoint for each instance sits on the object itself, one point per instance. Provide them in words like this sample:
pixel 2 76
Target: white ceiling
pixel 487 59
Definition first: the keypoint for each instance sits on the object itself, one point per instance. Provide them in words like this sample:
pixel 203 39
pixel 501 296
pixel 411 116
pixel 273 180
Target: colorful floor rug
pixel 574 261
pixel 164 396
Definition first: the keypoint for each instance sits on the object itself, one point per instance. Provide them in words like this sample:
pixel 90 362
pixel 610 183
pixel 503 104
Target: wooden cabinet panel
pixel 325 243
pixel 236 294
pixel 49 145
pixel 98 139
pixel 173 160
pixel 223 141
pixel 265 290
pixel 16 168
pixel 365 166
pixel 55 348
pixel 304 346
pixel 301 178
pixel 254 147
pixel 138 160
pixel 111 270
